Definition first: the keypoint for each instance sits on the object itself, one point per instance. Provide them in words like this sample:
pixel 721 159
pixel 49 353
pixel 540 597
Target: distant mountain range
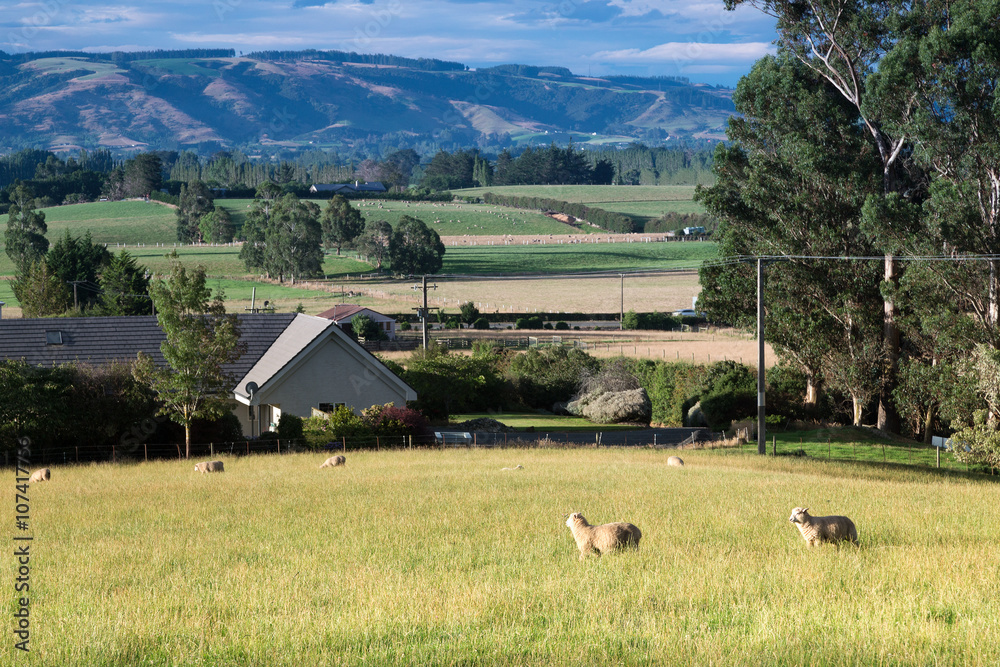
pixel 211 99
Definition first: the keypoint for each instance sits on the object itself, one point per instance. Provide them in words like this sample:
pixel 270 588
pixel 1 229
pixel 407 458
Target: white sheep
pixel 334 461
pixel 817 529
pixel 675 461
pixel 209 466
pixel 604 538
pixel 517 467
pixel 40 475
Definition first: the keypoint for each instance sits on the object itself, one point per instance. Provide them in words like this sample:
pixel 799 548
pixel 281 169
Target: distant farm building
pixel 343 314
pixel 346 188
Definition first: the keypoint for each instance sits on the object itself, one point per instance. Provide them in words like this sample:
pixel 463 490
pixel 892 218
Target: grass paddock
pixel 439 557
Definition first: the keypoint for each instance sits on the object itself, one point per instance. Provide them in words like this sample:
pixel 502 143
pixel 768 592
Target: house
pixel 346 188
pixel 293 362
pixel 342 315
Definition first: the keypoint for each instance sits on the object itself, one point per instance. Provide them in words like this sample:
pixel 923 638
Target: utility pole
pixel 621 321
pixel 761 436
pixel 423 312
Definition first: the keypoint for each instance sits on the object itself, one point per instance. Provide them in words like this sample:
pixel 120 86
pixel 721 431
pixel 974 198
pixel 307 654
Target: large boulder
pixel 613 407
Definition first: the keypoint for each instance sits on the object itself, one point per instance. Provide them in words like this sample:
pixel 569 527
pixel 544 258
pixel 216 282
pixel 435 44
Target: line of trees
pixel 871 133
pixel 284 237
pixel 618 223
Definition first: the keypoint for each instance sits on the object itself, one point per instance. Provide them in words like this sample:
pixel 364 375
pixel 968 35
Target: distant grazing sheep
pixel 675 461
pixel 604 538
pixel 334 461
pixel 817 529
pixel 517 467
pixel 40 475
pixel 209 466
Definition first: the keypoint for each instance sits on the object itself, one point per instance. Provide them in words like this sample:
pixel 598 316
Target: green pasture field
pixel 556 423
pixel 60 65
pixel 446 218
pixel 182 66
pixel 440 557
pixel 569 258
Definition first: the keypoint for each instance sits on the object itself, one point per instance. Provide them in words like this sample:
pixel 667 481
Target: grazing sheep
pixel 40 475
pixel 817 529
pixel 517 467
pixel 334 461
pixel 209 466
pixel 675 461
pixel 603 538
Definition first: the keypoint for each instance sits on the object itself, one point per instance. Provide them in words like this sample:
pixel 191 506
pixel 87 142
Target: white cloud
pixel 689 52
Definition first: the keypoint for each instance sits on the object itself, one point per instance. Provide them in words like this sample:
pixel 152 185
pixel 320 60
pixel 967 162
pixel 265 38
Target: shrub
pixel 532 322
pixel 562 326
pixel 290 427
pixel 545 376
pixel 482 324
pixel 404 326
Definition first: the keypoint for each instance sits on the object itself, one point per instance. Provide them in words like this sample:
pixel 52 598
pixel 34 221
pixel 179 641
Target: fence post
pixel 279 446
pixel 376 443
pixel 774 445
pixel 178 451
pixel 883 452
pixel 248 447
pixel 145 451
pixel 411 442
pixel 78 453
pixel 112 452
pixel 344 439
pixel 211 449
pixel 938 450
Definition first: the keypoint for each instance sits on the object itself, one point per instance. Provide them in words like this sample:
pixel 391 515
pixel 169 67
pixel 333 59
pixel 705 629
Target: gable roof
pixel 346 311
pixel 295 345
pixel 275 342
pixel 99 340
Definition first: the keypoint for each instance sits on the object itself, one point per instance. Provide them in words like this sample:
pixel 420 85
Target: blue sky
pixel 693 38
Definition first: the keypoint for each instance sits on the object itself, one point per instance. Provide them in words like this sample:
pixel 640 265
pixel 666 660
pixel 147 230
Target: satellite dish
pixel 251 388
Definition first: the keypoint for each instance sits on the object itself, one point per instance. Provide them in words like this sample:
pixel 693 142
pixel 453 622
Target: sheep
pixel 675 461
pixel 603 538
pixel 517 467
pixel 817 529
pixel 334 461
pixel 209 466
pixel 40 475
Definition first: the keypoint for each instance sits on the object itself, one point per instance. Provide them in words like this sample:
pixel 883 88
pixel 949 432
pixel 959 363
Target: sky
pixel 697 39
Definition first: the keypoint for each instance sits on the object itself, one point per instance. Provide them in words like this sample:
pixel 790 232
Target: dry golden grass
pixel 440 557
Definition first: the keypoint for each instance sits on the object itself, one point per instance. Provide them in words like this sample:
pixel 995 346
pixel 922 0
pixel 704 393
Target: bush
pixel 290 427
pixel 545 376
pixel 404 326
pixel 562 326
pixel 482 324
pixel 533 322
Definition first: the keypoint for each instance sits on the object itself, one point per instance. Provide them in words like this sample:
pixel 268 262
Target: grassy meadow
pixel 439 557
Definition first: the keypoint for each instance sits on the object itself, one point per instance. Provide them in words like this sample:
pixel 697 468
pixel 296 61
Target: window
pixel 53 338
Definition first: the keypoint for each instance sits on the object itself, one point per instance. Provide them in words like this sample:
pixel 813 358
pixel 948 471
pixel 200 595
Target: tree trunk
pixel 888 418
pixel 812 391
pixel 929 424
pixel 858 406
pixel 187 440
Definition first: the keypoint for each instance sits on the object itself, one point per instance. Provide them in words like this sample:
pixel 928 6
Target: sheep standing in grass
pixel 675 461
pixel 40 475
pixel 817 529
pixel 604 538
pixel 334 461
pixel 209 466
